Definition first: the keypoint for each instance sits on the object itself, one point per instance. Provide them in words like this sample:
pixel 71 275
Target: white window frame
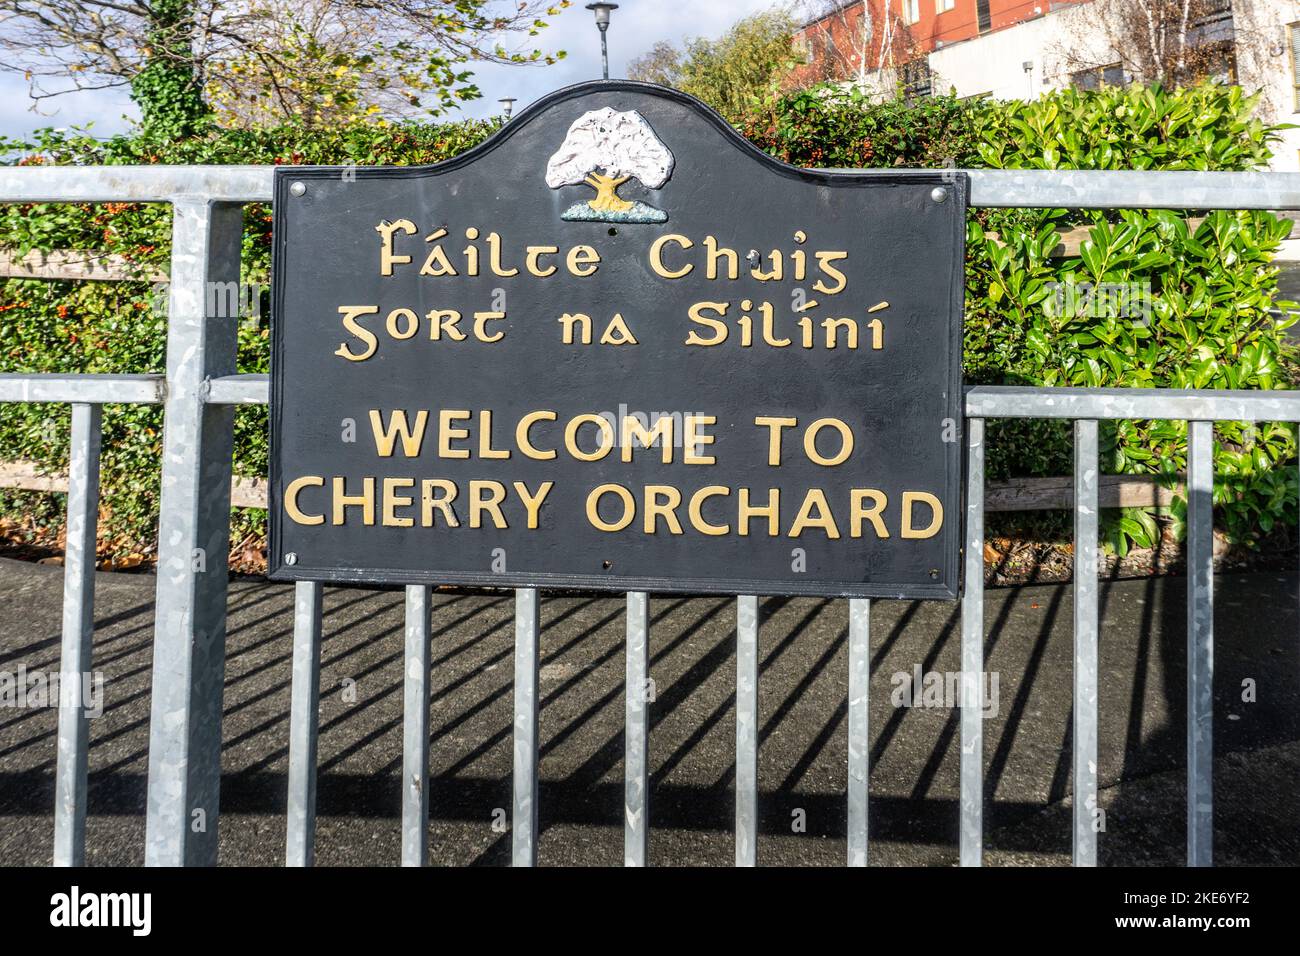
pixel 911 11
pixel 943 6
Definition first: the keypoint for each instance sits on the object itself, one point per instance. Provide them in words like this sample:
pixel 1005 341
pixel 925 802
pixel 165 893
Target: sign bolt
pixel 291 558
pixel 297 189
pixel 939 194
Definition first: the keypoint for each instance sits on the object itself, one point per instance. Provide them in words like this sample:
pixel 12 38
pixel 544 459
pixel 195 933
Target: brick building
pixel 1017 49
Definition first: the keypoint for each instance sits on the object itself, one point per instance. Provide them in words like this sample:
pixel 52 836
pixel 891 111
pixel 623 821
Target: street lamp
pixel 602 24
pixel 507 106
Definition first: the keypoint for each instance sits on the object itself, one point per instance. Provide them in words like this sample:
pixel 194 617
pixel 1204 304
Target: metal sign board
pixel 616 346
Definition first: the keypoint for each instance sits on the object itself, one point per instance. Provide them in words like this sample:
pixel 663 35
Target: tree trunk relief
pixel 607 193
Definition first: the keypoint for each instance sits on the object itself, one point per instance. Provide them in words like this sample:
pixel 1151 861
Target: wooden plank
pixel 74 265
pixel 1057 494
pixel 1016 494
pixel 29 476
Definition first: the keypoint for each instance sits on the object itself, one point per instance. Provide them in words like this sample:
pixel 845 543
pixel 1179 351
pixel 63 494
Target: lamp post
pixel 507 106
pixel 602 24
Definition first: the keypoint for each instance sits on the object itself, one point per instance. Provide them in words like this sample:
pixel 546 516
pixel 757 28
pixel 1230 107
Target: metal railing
pixel 199 391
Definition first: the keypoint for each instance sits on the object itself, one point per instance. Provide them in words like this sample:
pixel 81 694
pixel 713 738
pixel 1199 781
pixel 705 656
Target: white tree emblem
pixel 604 149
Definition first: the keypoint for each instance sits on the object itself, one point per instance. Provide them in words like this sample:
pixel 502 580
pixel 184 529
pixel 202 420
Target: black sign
pixel 616 346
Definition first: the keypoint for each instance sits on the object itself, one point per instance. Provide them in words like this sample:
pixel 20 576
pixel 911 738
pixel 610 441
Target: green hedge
pixel 1206 320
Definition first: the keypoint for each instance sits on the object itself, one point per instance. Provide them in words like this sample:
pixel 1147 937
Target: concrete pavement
pixel 802 759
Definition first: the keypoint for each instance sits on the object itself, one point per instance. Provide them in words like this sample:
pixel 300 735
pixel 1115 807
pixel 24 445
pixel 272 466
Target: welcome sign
pixel 616 346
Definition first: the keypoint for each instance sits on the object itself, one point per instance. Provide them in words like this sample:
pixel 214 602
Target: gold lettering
pixel 859 514
pixel 771 511
pixel 365 501
pixel 485 449
pixel 386 437
pixel 481 319
pixel 593 507
pixel 824 260
pixel 478 504
pixel 397 331
pixel 695 510
pixel 429 501
pixel 617 333
pixel 583 261
pixel 810 441
pixel 655 509
pixel 444 320
pixel 656 256
pixel 533 260
pixel 494 257
pixel 774 426
pixel 634 431
pixel 393 501
pixel 719 328
pixel 447 433
pixel 936 515
pixel 833 326
pixel 296 514
pixel 582 321
pixel 533 502
pixel 815 500
pixel 350 314
pixel 524 441
pixel 386 257
pixel 714 255
pixel 692 438
pixel 437 264
pixel 607 439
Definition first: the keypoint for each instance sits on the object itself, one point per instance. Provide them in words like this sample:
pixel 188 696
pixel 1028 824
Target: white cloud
pixel 635 27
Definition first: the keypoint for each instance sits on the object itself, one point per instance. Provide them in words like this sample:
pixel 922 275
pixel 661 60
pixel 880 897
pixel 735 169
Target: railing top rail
pixel 236 184
pixel 1133 189
pixel 90 389
pixel 1029 188
pixel 1207 405
pixel 995 401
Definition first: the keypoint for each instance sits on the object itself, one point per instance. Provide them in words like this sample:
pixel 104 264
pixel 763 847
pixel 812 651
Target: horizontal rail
pixel 136 183
pixel 239 390
pixel 1014 188
pixel 1132 189
pixel 83 389
pixel 996 401
pixel 1205 405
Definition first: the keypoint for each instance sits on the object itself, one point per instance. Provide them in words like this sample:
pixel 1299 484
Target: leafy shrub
pixel 1207 287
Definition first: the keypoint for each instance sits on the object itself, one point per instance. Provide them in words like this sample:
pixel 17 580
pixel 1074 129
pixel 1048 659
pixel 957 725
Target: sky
pixel 635 27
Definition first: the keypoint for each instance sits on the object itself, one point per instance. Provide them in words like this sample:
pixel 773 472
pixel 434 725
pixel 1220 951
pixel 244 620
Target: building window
pixel 1295 62
pixel 914 76
pixel 982 16
pixel 911 11
pixel 943 6
pixel 1098 76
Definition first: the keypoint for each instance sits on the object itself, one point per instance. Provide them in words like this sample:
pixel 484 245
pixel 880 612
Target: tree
pixel 263 57
pixel 732 74
pixel 861 41
pixel 620 146
pixel 1170 42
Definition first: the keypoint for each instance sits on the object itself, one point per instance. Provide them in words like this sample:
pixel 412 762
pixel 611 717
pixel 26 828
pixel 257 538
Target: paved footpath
pixel 802 759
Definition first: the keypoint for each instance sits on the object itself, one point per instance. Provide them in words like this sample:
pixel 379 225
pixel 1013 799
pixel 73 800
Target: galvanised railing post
pixel 78 632
pixel 193 541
